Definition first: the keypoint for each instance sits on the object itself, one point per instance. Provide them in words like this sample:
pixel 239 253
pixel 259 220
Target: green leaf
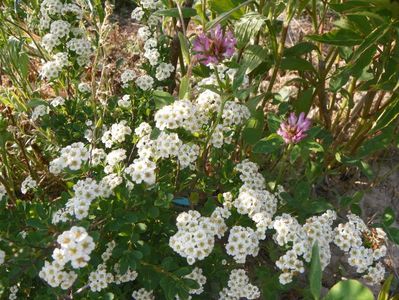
pixel 162 98
pixel 304 101
pixel 384 293
pixel 221 7
pixel 393 234
pixel 23 64
pixel 352 5
pixel 187 12
pixel 338 37
pixel 253 131
pixel 300 49
pixel 269 144
pixel 390 114
pixel 315 273
pixel 295 153
pixel 349 290
pixel 247 27
pixel 226 14
pixel 184 46
pixel 36 223
pixel 296 63
pixel 355 199
pixel 388 217
pixel 184 88
pixel 253 57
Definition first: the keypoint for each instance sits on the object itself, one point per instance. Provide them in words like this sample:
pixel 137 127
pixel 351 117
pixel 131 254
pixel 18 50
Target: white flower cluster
pixel 350 237
pixel 148 35
pixel 142 170
pixel 224 73
pixel 72 157
pixel 28 184
pixel 242 242
pixel 54 274
pixel 113 158
pixel 289 231
pixel 143 294
pixel 3 191
pixel 235 114
pixel 130 275
pixel 127 76
pixel 116 134
pixel 100 278
pixel 137 14
pixel 197 275
pixel 2 257
pixel 75 247
pixel 164 70
pixel 13 292
pixel 57 101
pixel 39 111
pixel 187 155
pixel 195 237
pixel 84 87
pixel 209 102
pixel 238 287
pixel 85 192
pixel 253 200
pixel 143 129
pixel 61 21
pixel 180 114
pixel 124 102
pixel 145 82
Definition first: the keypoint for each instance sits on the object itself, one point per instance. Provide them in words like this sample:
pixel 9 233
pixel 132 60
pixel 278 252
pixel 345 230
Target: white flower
pixel 3 191
pixel 28 184
pixel 116 134
pixel 145 82
pixel 60 28
pixel 143 294
pixel 239 287
pixel 137 14
pixel 164 70
pixel 84 87
pixel 128 76
pixel 2 257
pixel 144 33
pixel 124 102
pixel 57 101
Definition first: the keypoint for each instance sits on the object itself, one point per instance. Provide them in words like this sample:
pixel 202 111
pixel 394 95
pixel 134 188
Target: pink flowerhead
pixel 213 47
pixel 294 130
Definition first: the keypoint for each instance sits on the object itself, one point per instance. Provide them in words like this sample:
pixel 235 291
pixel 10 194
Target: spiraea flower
pixel 213 47
pixel 294 130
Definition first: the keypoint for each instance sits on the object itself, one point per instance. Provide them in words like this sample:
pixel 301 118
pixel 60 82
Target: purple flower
pixel 213 47
pixel 295 129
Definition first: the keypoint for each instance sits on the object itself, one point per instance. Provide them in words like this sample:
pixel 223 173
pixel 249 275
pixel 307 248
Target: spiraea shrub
pixel 185 151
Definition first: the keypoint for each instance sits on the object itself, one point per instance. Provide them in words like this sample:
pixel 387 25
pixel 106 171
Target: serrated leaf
pixel 247 27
